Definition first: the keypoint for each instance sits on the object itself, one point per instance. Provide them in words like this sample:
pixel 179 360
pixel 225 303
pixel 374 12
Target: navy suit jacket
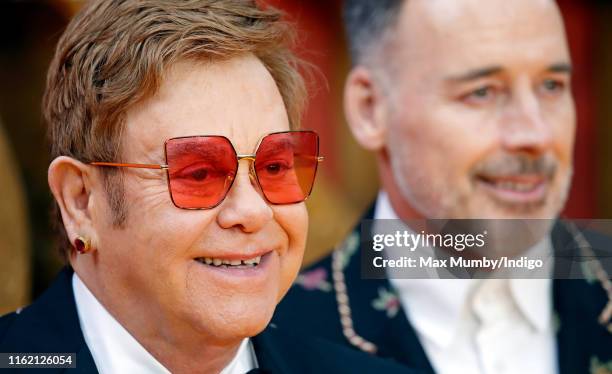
pixel 51 324
pixel 583 344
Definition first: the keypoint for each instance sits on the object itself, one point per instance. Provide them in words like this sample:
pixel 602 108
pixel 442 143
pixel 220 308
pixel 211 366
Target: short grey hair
pixel 366 23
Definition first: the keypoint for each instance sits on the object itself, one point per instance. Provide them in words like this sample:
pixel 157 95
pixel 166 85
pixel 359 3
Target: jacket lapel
pixel 402 342
pixel 376 310
pixel 269 354
pixel 85 362
pixel 583 344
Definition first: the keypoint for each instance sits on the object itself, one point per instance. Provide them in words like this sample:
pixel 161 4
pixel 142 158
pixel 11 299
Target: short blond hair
pixel 114 53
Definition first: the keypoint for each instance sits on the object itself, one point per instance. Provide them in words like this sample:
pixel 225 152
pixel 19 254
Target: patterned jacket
pixel 373 320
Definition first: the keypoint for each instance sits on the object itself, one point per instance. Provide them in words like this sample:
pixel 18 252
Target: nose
pixel 524 129
pixel 244 206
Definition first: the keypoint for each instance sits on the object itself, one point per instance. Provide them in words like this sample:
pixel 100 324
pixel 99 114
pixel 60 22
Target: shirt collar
pixel 534 299
pixel 244 361
pixel 436 307
pixel 115 350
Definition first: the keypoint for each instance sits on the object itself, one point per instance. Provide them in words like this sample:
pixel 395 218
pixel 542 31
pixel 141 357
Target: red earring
pixel 82 245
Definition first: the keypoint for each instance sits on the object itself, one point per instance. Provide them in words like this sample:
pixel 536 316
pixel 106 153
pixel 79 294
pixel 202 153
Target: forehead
pixel 236 98
pixel 465 34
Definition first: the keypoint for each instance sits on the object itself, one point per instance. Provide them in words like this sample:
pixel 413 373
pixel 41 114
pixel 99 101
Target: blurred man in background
pixel 468 108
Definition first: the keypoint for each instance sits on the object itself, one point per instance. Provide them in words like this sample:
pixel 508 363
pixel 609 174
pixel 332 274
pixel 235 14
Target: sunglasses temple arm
pixel 139 166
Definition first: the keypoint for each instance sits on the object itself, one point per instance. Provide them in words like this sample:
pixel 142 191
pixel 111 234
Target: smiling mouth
pixel 226 263
pixel 517 189
pixel 516 185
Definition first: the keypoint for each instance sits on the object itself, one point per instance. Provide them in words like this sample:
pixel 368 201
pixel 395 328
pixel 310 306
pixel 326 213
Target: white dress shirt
pixel 115 350
pixel 480 326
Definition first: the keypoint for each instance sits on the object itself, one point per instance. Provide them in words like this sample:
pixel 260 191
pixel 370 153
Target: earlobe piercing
pixel 82 245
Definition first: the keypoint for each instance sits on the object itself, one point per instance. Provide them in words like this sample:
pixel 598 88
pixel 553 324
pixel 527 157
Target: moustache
pixel 504 164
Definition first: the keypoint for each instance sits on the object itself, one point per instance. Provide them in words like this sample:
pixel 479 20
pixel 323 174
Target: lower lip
pixel 250 272
pixel 536 194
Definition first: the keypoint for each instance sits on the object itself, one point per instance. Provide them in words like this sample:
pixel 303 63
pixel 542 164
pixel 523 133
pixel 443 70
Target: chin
pixel 490 208
pixel 235 330
pixel 540 210
pixel 237 319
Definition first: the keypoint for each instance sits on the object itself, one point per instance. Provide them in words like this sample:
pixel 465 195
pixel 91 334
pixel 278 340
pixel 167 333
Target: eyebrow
pixel 199 149
pixel 475 74
pixel 561 67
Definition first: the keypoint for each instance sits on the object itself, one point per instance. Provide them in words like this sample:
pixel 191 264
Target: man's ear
pixel 70 183
pixel 365 108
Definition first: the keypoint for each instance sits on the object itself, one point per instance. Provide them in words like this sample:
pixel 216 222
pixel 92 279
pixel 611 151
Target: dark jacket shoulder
pixel 279 351
pixel 5 323
pixel 49 325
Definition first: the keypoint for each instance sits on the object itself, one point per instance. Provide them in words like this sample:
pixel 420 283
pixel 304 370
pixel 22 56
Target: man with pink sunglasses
pixel 179 177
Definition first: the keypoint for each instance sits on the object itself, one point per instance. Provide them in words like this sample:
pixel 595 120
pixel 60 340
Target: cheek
pixel 156 237
pixel 440 143
pixel 151 210
pixel 563 142
pixel 293 221
pixel 151 193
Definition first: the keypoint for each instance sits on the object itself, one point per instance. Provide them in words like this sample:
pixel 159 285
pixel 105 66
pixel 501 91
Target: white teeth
pixel 226 263
pixel 520 187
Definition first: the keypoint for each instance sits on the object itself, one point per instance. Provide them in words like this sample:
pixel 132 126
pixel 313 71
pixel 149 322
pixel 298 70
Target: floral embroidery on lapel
pixel 598 367
pixel 387 301
pixel 348 248
pixel 315 279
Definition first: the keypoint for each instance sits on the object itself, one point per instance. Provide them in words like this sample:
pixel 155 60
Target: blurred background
pixel 347 180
